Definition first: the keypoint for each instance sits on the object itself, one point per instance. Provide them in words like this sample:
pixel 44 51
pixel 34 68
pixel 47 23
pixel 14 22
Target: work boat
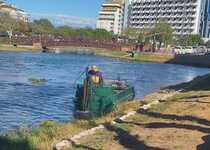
pixel 94 100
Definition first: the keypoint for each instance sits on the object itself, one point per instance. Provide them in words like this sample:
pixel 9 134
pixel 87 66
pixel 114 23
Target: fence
pixel 77 42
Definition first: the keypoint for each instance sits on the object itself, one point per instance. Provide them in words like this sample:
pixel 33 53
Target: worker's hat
pixel 94 68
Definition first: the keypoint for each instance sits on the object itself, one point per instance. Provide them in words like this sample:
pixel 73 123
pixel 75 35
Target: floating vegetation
pixel 35 81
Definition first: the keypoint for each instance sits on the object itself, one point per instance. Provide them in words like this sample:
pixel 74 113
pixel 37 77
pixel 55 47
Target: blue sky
pixel 70 12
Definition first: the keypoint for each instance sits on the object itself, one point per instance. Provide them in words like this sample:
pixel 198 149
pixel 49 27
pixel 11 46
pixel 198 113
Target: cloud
pixel 60 19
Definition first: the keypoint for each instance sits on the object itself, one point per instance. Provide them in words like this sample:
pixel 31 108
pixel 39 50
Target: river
pixel 23 104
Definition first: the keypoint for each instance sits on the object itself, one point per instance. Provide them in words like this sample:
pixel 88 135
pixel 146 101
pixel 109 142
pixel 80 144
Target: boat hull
pixel 98 100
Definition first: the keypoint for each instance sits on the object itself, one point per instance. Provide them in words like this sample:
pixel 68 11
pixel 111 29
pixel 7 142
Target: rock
pixel 62 144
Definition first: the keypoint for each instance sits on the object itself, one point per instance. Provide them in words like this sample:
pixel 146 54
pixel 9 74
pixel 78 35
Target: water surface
pixel 25 104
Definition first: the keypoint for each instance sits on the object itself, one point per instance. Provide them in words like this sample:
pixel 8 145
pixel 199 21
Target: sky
pixel 77 13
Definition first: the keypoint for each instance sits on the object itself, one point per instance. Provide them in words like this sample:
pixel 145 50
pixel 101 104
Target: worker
pixel 94 75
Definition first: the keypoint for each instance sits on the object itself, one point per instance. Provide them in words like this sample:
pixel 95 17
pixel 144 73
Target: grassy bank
pixel 180 122
pixel 83 50
pixel 197 61
pixel 143 57
pixel 12 48
pixel 190 60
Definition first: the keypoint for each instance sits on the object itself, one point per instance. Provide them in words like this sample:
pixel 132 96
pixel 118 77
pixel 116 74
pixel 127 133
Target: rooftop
pixel 115 1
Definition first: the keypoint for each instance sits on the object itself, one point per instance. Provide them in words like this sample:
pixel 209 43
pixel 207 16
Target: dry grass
pixel 180 124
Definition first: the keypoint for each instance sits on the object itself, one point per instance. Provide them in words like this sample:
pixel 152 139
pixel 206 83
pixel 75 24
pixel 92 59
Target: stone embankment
pixel 192 60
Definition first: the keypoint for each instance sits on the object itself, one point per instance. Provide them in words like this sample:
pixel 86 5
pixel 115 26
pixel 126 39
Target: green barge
pixel 94 100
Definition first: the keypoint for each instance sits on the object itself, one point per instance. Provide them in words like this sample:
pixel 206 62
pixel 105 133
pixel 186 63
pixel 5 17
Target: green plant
pixel 35 81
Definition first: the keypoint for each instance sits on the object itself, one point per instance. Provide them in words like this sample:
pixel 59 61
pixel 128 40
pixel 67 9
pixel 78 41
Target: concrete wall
pixel 203 60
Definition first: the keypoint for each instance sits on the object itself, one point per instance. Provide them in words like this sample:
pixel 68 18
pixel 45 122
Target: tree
pixel 87 33
pixel 23 28
pixel 195 40
pixel 141 38
pixel 190 40
pixel 13 26
pixel 65 31
pixel 8 24
pixel 132 33
pixel 44 22
pixel 163 33
pixel 42 26
pixel 102 34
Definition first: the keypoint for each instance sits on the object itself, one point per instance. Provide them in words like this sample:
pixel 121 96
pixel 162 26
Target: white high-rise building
pixel 126 19
pixel 205 19
pixel 111 17
pixel 185 16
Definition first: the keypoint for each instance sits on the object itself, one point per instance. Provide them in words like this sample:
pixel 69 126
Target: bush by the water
pixel 37 81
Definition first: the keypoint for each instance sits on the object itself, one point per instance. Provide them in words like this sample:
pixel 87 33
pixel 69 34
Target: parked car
pixel 202 49
pixel 188 50
pixel 177 50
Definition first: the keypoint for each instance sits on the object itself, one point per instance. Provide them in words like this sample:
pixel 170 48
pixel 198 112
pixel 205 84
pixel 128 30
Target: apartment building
pixel 111 17
pixel 205 19
pixel 13 11
pixel 185 16
pixel 127 9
